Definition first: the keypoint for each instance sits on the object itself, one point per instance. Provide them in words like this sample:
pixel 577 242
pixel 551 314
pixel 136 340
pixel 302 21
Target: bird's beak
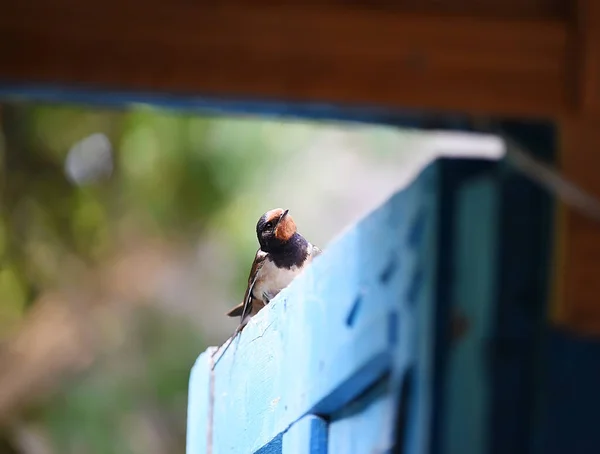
pixel 282 216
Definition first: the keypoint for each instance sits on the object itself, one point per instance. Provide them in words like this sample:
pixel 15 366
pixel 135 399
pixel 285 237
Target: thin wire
pixel 552 180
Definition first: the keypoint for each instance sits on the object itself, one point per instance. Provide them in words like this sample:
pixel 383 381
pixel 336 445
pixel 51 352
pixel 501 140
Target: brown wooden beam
pixel 577 263
pixel 587 46
pixel 576 303
pixel 530 9
pixel 309 53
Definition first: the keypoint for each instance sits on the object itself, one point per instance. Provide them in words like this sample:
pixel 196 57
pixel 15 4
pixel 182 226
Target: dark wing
pixel 243 308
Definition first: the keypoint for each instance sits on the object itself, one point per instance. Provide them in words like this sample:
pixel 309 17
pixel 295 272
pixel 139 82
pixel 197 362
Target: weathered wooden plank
pixel 307 436
pixel 353 339
pixel 199 405
pixel 294 53
pixel 363 309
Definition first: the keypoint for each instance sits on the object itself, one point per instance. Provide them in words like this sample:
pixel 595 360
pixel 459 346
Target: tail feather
pixel 236 311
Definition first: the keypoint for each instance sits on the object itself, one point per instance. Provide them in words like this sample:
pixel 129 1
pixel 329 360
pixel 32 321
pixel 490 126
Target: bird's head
pixel 274 229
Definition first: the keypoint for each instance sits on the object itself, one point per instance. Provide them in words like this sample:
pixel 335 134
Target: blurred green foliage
pixel 144 376
pixel 175 177
pixel 174 174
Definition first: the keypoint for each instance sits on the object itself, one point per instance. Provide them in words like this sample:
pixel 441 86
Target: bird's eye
pixel 269 225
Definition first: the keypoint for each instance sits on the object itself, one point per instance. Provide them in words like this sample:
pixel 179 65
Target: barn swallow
pixel 282 255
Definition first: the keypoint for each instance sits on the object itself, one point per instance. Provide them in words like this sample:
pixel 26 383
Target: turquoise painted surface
pixel 475 277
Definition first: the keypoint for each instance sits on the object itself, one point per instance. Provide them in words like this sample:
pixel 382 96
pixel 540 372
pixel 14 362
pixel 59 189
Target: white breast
pixel 272 280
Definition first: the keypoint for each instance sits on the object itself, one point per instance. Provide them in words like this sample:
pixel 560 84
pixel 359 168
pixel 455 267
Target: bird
pixel 282 255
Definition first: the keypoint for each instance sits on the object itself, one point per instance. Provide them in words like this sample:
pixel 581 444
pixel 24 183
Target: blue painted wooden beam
pixel 363 311
pixel 360 342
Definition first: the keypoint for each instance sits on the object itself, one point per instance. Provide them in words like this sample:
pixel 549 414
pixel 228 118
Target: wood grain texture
pixel 578 271
pixel 513 65
pixel 587 62
pixel 479 8
pixel 362 311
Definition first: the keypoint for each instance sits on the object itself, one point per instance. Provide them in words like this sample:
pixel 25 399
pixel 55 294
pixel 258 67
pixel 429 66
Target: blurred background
pixel 125 236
